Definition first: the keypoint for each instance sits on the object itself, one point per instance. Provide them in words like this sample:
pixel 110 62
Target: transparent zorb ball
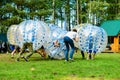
pixel 11 34
pixel 31 31
pixel 92 39
pixel 56 34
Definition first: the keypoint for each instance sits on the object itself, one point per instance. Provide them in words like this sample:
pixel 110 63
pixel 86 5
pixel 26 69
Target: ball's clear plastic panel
pixel 31 31
pixel 11 34
pixel 56 34
pixel 92 38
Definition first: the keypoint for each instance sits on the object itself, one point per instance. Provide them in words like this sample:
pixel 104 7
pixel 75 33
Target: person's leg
pixel 13 52
pixel 30 51
pixel 29 55
pixel 72 48
pixel 88 56
pixel 93 56
pixel 76 49
pixel 20 53
pixel 39 52
pixel 83 55
pixel 67 48
pixel 44 53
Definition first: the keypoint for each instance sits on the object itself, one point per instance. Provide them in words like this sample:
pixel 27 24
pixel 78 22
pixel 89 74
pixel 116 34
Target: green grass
pixel 106 66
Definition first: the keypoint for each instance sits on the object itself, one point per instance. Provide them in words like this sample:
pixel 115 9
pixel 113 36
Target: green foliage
pixel 96 8
pixel 15 11
pixel 104 67
pixel 18 10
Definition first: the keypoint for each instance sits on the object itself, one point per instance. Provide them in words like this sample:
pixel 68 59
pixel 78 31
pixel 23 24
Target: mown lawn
pixel 106 66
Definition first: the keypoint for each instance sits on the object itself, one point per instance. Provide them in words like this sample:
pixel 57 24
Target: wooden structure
pixel 115 47
pixel 112 27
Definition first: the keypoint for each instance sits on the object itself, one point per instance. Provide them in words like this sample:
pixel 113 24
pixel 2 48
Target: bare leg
pixel 93 56
pixel 42 53
pixel 30 51
pixel 28 55
pixel 88 56
pixel 13 52
pixel 19 55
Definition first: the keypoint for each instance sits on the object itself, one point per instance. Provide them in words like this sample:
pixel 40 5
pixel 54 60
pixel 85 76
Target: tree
pixel 72 11
pixel 95 9
pixel 67 13
pixel 114 9
pixel 15 11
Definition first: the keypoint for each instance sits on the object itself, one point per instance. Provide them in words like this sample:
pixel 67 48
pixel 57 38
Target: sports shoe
pixel 66 60
pixel 71 59
pixel 25 58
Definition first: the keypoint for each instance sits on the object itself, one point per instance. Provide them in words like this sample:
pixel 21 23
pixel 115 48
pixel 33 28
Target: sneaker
pixel 71 59
pixel 66 60
pixel 25 58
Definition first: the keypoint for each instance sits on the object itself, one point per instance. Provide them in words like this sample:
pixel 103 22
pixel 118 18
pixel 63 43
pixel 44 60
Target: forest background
pixel 65 13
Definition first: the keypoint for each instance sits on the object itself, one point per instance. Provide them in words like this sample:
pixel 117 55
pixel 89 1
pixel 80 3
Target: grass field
pixel 106 66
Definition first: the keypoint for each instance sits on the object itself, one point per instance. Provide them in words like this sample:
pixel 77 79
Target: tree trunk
pixel 53 14
pixel 67 12
pixel 77 12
